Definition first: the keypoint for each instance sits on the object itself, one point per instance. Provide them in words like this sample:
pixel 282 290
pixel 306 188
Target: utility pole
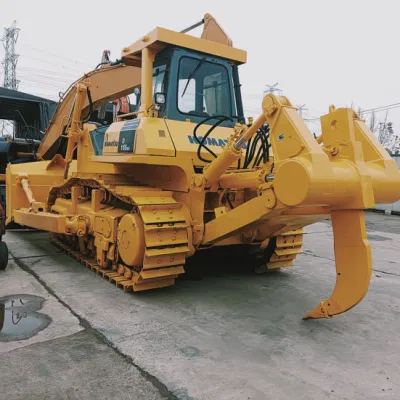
pixel 301 109
pixel 9 40
pixel 273 89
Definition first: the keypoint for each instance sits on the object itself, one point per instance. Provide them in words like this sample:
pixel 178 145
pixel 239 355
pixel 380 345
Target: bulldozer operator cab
pixel 195 86
pixel 192 83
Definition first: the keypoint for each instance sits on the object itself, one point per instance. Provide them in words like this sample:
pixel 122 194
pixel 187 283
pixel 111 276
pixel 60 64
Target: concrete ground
pixel 221 333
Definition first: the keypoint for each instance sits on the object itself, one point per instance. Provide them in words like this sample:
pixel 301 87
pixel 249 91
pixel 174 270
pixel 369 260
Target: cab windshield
pixel 203 88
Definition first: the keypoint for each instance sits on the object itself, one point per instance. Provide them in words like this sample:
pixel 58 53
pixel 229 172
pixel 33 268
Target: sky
pixel 319 52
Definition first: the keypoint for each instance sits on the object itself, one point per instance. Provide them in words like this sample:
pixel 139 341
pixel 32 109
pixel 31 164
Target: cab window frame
pixel 162 62
pixel 209 61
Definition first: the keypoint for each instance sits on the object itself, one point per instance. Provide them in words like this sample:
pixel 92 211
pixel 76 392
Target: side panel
pixel 162 137
pixel 146 136
pixel 86 150
pixel 153 138
pixel 185 142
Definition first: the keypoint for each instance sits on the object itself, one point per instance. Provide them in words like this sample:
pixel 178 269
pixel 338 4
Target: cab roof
pixel 214 41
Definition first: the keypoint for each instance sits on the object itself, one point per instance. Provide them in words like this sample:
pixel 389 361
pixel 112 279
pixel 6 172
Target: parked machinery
pixel 3 246
pixel 184 172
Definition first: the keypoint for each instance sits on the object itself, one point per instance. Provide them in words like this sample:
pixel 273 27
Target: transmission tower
pixel 9 40
pixel 10 60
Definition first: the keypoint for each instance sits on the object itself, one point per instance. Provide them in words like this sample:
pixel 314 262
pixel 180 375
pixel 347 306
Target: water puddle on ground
pixel 19 318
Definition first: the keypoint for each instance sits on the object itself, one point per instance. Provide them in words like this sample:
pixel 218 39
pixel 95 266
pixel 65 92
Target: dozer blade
pixel 353 264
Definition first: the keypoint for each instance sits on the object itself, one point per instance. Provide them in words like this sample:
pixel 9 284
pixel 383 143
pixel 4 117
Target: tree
pixel 383 130
pixel 388 138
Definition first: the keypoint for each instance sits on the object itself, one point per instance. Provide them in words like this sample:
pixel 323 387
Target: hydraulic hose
pixel 87 118
pixel 221 119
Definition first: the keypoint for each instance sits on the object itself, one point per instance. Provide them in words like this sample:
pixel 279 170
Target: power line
pixel 57 56
pixel 43 85
pixel 46 71
pixel 49 62
pixel 44 78
pixel 363 112
pixel 47 76
pixel 382 108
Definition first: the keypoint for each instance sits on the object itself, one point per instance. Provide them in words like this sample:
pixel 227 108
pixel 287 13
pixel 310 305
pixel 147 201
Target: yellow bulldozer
pixel 184 172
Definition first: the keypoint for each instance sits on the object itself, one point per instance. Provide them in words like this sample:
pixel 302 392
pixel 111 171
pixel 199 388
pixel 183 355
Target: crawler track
pixel 165 240
pixel 288 246
pixel 280 252
pixel 165 251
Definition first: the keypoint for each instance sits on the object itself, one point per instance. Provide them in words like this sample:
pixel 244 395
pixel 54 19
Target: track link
pixel 166 240
pixel 287 246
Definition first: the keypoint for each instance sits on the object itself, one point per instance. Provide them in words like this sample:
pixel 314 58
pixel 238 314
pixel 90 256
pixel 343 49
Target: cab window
pixel 203 88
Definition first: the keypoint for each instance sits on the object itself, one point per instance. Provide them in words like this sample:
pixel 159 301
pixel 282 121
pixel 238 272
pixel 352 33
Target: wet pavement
pixel 63 357
pixel 76 367
pixel 221 333
pixel 19 318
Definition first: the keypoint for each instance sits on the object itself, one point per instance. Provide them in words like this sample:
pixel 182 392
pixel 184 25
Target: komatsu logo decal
pixel 112 143
pixel 126 141
pixel 127 136
pixel 209 141
pixel 120 137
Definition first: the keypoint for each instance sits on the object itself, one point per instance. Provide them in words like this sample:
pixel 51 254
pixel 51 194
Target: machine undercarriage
pixel 140 237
